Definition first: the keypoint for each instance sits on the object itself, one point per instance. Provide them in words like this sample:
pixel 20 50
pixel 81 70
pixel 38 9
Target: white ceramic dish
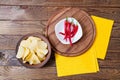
pixel 59 27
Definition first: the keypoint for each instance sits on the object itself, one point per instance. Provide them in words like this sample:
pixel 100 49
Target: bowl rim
pixel 47 56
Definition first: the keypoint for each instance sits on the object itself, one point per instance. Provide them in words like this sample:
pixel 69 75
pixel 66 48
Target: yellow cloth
pixel 103 30
pixel 87 62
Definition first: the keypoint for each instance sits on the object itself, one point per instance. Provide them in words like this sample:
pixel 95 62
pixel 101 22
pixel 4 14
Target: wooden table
pixel 19 17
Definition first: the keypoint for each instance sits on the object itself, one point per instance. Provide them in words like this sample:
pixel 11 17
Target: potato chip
pixel 38 52
pixel 42 45
pixel 43 51
pixel 32 50
pixel 35 59
pixel 31 38
pixel 25 53
pixel 41 59
pixel 25 43
pixel 28 57
pixel 20 52
pixel 33 45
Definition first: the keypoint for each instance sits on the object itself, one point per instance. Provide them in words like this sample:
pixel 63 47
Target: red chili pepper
pixel 66 24
pixel 70 30
pixel 70 41
pixel 61 33
pixel 69 33
pixel 75 29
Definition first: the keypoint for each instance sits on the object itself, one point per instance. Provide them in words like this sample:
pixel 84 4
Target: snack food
pixel 33 50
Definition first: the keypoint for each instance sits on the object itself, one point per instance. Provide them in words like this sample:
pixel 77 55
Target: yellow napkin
pixel 87 62
pixel 103 31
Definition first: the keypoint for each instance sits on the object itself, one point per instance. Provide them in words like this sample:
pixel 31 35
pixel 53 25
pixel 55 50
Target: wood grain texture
pixel 83 44
pixel 19 17
pixel 7 58
pixel 21 27
pixel 17 27
pixel 18 73
pixel 10 41
pixel 44 13
pixel 23 13
pixel 66 3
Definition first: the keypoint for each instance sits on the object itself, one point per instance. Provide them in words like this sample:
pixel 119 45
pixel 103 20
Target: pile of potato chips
pixel 33 50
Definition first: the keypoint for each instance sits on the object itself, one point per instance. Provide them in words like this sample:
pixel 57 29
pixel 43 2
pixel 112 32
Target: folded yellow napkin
pixel 103 31
pixel 87 62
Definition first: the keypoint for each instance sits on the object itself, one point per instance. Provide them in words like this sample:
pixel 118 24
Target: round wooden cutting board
pixel 83 44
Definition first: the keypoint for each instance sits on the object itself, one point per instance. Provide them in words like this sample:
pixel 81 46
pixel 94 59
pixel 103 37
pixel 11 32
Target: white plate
pixel 59 27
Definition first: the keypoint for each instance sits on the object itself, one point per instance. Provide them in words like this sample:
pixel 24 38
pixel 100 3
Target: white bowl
pixel 59 27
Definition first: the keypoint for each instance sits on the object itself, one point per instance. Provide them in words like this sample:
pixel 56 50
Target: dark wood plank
pixel 71 3
pixel 29 13
pixel 10 41
pixel 8 58
pixel 22 27
pixel 110 13
pixel 48 73
pixel 115 30
pixel 21 73
pixel 114 44
pixel 10 13
pixel 23 13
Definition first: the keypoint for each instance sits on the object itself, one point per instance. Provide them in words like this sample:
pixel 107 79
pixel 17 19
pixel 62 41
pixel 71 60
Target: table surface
pixel 19 17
